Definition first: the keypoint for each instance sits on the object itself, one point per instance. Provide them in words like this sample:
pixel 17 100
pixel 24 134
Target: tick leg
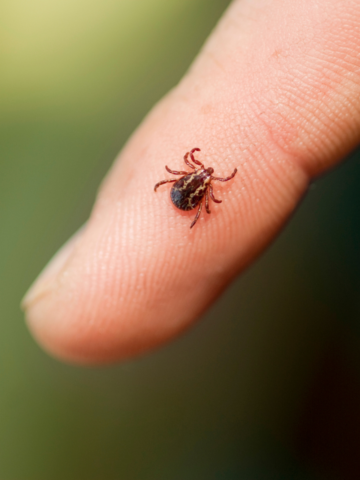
pixel 194 159
pixel 164 181
pixel 225 179
pixel 187 161
pixel 212 195
pixel 174 172
pixel 207 200
pixel 197 215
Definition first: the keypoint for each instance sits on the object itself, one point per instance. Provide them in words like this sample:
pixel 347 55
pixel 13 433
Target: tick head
pixel 210 170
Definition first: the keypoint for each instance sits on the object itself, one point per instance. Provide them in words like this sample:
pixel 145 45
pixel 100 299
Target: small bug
pixel 189 190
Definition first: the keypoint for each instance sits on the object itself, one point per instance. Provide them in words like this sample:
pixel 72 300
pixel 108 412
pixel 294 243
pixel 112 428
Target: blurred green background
pixel 267 386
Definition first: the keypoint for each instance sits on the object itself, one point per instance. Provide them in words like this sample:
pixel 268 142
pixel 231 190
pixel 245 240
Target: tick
pixel 188 191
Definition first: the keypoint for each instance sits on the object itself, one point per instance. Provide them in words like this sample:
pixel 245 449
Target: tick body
pixel 188 191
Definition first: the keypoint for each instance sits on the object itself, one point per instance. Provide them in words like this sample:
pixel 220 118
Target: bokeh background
pixel 267 385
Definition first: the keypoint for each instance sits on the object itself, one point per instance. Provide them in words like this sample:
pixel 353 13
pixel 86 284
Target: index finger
pixel 274 93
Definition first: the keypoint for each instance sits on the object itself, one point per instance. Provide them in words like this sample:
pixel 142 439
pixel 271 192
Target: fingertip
pixel 44 282
pixel 140 278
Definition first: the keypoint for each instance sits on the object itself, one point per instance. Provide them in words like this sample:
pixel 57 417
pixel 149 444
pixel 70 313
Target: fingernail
pixel 46 280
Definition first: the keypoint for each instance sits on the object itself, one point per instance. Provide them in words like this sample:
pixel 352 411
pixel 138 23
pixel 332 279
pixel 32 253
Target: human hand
pixel 274 93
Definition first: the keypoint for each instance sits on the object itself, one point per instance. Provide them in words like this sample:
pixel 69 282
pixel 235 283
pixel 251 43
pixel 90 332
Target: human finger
pixel 274 93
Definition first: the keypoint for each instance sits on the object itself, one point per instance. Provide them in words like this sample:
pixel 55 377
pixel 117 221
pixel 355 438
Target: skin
pixel 275 93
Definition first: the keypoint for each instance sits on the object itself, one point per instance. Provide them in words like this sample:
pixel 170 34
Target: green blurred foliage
pixel 222 402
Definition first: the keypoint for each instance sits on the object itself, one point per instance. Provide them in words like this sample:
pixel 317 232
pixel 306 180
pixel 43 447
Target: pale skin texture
pixel 275 93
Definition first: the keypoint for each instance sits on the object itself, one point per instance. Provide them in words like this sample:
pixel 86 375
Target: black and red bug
pixel 188 191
